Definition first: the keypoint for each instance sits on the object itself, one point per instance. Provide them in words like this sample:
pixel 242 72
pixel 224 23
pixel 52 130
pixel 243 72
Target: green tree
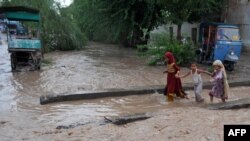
pixel 130 21
pixel 125 21
pixel 58 32
pixel 179 11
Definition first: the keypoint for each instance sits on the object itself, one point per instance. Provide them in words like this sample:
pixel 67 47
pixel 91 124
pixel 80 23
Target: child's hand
pixel 177 75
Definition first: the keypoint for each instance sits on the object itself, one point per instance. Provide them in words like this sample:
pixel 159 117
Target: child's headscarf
pixel 170 57
pixel 226 86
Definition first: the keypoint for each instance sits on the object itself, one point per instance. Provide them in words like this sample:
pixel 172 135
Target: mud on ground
pixel 104 67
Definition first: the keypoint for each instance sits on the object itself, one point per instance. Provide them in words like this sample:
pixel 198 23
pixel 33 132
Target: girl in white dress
pixel 197 81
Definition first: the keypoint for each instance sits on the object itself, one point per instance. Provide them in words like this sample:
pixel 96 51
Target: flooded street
pixel 99 67
pixel 104 67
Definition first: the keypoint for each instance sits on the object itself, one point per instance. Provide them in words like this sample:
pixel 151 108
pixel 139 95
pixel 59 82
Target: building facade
pixel 238 12
pixel 187 30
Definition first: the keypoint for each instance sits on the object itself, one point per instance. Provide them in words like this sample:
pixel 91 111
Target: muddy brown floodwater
pixel 103 67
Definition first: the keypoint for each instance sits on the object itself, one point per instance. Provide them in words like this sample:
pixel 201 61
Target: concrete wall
pixel 186 29
pixel 239 13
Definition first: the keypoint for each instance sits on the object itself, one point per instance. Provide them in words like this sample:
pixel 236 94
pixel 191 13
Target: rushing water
pixel 98 67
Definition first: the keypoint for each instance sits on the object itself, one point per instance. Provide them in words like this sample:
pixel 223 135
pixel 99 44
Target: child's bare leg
pixel 211 97
pixel 223 100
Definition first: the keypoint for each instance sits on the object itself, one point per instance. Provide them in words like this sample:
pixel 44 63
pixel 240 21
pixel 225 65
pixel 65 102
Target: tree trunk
pixel 179 32
pixel 135 38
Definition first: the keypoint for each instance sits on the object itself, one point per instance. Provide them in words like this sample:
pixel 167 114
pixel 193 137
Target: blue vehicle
pixel 24 47
pixel 219 41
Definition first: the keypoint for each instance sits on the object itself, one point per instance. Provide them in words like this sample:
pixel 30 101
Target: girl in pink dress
pixel 220 85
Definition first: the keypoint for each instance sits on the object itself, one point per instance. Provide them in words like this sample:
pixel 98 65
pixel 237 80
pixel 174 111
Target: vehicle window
pixel 231 34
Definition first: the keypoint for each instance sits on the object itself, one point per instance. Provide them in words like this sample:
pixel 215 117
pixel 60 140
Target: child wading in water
pixel 220 85
pixel 197 81
pixel 174 86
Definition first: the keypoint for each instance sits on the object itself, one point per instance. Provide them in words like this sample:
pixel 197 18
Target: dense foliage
pixel 58 31
pixel 130 21
pixel 160 43
pixel 115 21
pixel 124 21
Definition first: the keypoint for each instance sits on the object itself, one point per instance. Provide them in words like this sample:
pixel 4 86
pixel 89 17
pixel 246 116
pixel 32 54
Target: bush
pixel 161 43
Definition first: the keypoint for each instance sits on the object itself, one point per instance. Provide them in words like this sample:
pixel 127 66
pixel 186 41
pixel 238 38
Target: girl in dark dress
pixel 174 86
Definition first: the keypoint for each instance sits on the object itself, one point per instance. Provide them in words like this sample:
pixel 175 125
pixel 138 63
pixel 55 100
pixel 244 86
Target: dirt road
pixel 103 67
